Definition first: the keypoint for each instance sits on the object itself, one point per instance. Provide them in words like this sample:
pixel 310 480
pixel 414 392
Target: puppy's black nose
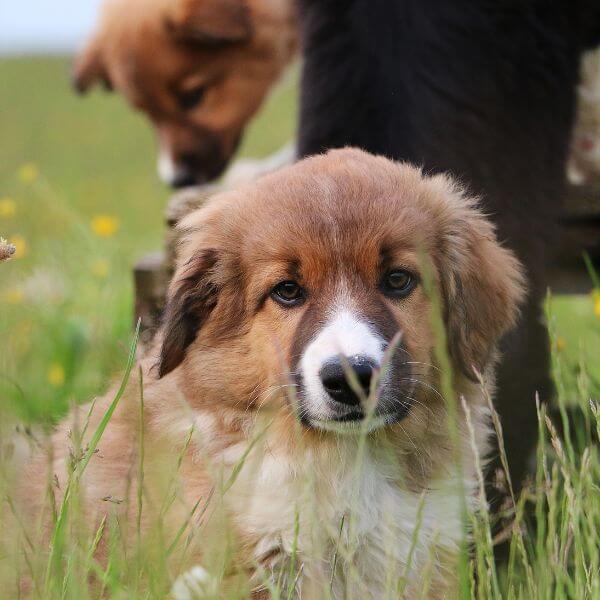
pixel 336 379
pixel 184 178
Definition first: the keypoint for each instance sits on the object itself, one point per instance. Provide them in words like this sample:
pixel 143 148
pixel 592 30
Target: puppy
pixel 299 379
pixel 199 69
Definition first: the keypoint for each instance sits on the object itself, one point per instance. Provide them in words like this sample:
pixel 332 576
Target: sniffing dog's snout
pixel 336 376
pixel 190 156
pixel 184 178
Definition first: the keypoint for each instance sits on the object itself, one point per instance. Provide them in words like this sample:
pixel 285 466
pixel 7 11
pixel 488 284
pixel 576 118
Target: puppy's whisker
pixel 417 451
pixel 420 363
pixel 415 401
pixel 274 390
pixel 259 400
pixel 424 384
pixel 252 397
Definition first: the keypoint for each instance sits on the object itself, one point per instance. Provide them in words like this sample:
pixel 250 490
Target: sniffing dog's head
pixel 320 280
pixel 199 69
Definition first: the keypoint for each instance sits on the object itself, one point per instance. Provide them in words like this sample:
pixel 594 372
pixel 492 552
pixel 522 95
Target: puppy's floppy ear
pixel 89 68
pixel 210 22
pixel 484 287
pixel 192 296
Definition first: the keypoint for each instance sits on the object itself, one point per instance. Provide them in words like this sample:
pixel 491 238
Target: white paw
pixel 243 171
pixel 247 170
pixel 195 584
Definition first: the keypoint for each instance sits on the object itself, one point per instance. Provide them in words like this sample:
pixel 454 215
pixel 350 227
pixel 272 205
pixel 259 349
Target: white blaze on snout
pixel 344 334
pixel 166 167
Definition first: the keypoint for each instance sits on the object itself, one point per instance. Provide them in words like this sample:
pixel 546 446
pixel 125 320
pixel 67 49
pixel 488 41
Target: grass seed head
pixel 6 249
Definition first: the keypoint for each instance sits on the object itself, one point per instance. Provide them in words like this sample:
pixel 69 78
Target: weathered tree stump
pixel 153 272
pixel 151 279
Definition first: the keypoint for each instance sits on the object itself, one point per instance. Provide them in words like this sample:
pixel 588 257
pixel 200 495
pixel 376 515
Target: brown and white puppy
pixel 199 69
pixel 284 288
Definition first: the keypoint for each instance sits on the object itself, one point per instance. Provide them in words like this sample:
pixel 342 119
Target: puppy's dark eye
pixel 190 98
pixel 398 283
pixel 288 293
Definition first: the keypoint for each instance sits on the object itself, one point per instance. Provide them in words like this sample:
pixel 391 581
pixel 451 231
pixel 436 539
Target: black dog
pixel 483 89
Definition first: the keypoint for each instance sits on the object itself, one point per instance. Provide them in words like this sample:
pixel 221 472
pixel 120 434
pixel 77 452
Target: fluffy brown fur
pixel 199 69
pixel 229 353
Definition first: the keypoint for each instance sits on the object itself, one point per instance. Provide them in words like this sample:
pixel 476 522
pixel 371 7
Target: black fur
pixel 484 89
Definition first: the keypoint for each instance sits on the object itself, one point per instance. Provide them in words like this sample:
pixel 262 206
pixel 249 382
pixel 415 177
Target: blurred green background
pixel 80 198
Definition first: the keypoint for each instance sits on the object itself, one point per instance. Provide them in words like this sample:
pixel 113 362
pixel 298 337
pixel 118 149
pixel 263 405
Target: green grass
pixel 66 326
pixel 58 310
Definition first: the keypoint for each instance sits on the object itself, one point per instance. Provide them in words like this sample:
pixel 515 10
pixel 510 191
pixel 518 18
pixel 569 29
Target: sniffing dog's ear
pixel 484 287
pixel 89 68
pixel 210 22
pixel 192 296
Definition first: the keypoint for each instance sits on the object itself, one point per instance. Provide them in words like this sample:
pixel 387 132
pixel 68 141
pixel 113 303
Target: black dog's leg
pixel 524 371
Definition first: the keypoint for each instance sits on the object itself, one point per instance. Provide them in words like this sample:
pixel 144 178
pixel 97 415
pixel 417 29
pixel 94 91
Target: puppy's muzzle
pixel 347 380
pixel 191 155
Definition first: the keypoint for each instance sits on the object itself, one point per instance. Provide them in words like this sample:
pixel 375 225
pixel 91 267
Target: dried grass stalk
pixel 6 249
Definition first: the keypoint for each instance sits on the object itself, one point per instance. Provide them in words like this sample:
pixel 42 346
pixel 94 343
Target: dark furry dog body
pixel 484 90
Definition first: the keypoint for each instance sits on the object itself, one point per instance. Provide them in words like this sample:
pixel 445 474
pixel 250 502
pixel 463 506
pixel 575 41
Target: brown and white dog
pixel 299 340
pixel 199 69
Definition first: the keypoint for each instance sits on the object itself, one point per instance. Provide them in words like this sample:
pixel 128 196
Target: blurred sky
pixel 45 26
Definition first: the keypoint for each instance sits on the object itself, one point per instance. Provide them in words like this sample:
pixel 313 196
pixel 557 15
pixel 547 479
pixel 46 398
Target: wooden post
pixel 151 279
pixel 154 271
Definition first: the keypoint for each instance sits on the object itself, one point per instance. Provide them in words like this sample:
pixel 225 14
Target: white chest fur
pixel 335 521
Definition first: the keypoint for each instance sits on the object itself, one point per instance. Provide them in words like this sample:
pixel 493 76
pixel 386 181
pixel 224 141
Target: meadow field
pixel 80 199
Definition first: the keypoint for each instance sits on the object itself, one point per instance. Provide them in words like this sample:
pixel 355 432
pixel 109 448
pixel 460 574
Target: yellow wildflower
pixel 597 306
pixel 100 268
pixel 13 296
pixel 104 225
pixel 18 241
pixel 56 375
pixel 28 173
pixel 8 208
pixel 561 343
